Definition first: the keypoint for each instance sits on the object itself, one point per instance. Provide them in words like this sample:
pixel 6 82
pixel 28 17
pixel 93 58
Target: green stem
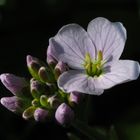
pixel 83 114
pixel 87 109
pixel 91 133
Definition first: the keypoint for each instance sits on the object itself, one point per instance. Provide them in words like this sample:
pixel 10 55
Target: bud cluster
pixel 40 98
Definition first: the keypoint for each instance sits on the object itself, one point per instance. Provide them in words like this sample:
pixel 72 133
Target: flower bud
pixel 34 65
pixel 41 115
pixel 44 101
pixel 50 57
pixel 14 83
pixel 59 69
pixel 14 104
pixel 46 75
pixel 29 112
pixel 52 88
pixel 75 97
pixel 64 114
pixel 54 101
pixel 36 88
pixel 35 103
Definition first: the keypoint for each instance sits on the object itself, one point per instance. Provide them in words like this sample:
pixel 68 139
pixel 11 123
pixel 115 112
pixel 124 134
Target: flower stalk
pixel 89 132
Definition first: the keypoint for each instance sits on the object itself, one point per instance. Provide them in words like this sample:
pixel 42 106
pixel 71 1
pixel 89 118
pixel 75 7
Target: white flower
pixel 93 56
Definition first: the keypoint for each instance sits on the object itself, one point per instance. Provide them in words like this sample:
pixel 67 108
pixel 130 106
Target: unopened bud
pixel 28 113
pixel 54 101
pixel 36 88
pixel 44 101
pixel 75 97
pixel 14 104
pixel 46 75
pixel 50 57
pixel 35 103
pixel 64 114
pixel 14 83
pixel 59 69
pixel 34 65
pixel 41 115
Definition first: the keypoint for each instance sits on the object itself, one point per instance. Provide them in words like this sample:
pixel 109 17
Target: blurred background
pixel 26 26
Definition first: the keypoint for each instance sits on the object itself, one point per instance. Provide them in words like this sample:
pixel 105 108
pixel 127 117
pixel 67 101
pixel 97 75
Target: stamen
pixel 100 56
pixel 94 67
pixel 87 58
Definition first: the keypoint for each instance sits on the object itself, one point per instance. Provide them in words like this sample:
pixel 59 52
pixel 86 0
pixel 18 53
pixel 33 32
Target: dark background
pixel 26 26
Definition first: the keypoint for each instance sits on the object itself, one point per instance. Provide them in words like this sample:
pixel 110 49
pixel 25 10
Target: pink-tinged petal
pixel 119 72
pixel 108 37
pixel 78 81
pixel 71 44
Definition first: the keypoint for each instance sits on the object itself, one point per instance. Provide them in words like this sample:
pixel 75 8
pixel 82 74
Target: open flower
pixel 93 56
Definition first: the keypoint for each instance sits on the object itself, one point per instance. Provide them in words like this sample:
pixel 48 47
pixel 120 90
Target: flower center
pixel 94 67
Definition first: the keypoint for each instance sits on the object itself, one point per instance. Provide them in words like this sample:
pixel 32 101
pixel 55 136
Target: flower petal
pixel 120 72
pixel 107 37
pixel 78 81
pixel 71 44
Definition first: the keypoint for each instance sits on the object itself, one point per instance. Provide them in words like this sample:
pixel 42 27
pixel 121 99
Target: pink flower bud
pixel 50 58
pixel 64 114
pixel 76 97
pixel 13 104
pixel 41 115
pixel 59 69
pixel 13 83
